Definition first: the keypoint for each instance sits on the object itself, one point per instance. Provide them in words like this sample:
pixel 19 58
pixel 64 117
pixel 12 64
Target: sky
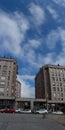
pixel 32 32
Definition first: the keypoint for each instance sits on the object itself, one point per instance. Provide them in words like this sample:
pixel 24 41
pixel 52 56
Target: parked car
pixel 26 111
pixel 57 112
pixel 18 110
pixel 7 111
pixel 41 111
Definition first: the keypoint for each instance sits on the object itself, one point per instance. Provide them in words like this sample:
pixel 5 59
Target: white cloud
pixel 28 77
pixel 52 39
pixel 13 28
pixel 29 50
pixel 38 14
pixel 53 12
pixel 60 2
pixel 62 36
pixel 26 90
pixel 47 59
pixel 34 43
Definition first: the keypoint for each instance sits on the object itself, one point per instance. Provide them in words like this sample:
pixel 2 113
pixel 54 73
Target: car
pixel 26 111
pixel 41 111
pixel 7 111
pixel 18 110
pixel 57 112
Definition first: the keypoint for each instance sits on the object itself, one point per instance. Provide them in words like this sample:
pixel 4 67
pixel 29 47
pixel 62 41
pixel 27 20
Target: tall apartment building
pixel 18 89
pixel 8 75
pixel 50 83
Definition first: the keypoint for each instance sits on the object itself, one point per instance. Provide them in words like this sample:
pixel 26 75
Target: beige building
pixel 50 83
pixel 18 89
pixel 8 76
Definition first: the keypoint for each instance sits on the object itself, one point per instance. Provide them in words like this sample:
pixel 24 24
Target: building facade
pixel 50 83
pixel 8 76
pixel 18 89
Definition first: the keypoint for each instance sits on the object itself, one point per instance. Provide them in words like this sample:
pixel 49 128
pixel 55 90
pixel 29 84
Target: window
pixel 53 84
pixel 2 78
pixel 8 77
pixel 1 94
pixel 58 94
pixel 61 94
pixel 52 74
pixel 58 98
pixel 0 66
pixel 54 94
pixel 61 98
pixel 63 79
pixel 4 67
pixel 57 84
pixel 61 89
pixel 53 78
pixel 54 88
pixel 64 89
pixel 8 83
pixel 4 72
pixel 59 79
pixel 57 88
pixel 9 72
pixel 1 89
pixel 7 89
pixel 60 84
pixel 56 79
pixel 61 70
pixel 2 83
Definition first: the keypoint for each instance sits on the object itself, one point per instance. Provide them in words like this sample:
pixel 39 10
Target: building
pixel 18 89
pixel 8 76
pixel 50 83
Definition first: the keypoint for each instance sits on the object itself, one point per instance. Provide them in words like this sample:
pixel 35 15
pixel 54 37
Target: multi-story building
pixel 50 83
pixel 18 89
pixel 8 75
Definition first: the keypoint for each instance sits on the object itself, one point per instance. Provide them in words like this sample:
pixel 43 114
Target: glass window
pixel 1 89
pixel 56 79
pixel 58 98
pixel 64 89
pixel 60 84
pixel 61 89
pixel 61 98
pixel 54 94
pixel 0 66
pixel 4 67
pixel 63 79
pixel 2 83
pixel 53 78
pixel 4 72
pixel 53 84
pixel 58 94
pixel 57 88
pixel 2 78
pixel 54 88
pixel 60 79
pixel 61 94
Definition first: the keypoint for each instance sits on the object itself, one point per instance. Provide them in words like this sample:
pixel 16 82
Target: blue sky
pixel 32 32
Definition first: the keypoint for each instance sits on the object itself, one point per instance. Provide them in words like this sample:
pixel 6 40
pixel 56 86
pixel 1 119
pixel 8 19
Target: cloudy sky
pixel 32 32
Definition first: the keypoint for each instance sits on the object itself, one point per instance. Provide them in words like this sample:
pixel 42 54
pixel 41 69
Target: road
pixel 27 122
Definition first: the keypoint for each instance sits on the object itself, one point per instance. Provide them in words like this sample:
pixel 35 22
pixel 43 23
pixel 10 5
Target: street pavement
pixel 27 122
